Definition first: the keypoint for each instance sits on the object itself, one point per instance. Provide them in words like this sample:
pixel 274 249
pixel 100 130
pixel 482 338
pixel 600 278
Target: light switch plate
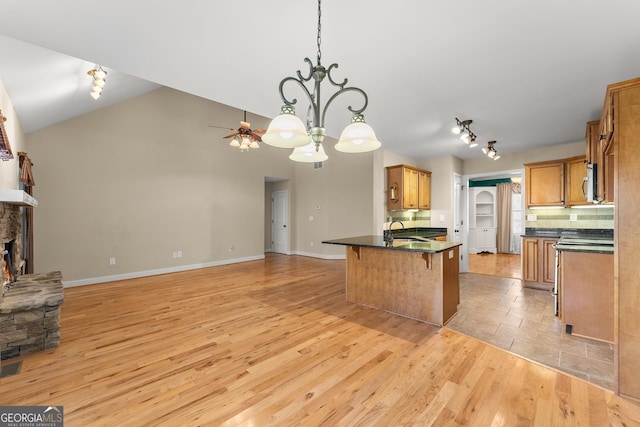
pixel 532 217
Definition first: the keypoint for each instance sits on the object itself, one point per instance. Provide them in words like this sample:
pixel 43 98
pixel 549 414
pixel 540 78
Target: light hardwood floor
pixel 273 342
pixel 501 265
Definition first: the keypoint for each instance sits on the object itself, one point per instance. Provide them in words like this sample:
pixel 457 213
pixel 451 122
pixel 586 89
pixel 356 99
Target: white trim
pixel 124 276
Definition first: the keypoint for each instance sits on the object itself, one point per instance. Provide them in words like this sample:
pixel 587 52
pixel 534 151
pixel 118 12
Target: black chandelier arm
pixel 341 91
pixel 340 85
pixel 300 83
pixel 310 76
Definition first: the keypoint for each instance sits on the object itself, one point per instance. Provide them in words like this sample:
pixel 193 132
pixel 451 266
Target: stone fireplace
pixel 10 244
pixel 29 303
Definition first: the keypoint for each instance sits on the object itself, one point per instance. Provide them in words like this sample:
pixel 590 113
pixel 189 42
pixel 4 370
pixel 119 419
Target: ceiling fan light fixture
pixel 234 143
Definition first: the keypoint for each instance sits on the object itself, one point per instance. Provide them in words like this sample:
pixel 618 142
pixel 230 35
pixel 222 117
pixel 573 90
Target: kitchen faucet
pixel 387 235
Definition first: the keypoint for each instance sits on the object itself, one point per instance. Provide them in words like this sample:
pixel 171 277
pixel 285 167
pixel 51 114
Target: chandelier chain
pixel 319 31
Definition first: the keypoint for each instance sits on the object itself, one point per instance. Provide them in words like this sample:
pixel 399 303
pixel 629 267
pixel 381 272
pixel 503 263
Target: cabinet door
pixel 530 259
pixel 592 136
pixel 486 239
pixel 424 190
pixel 410 196
pixel 548 261
pixel 576 172
pixel 545 183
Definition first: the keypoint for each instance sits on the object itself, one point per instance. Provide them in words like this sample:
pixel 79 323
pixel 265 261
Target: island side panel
pixel 403 282
pixel 451 283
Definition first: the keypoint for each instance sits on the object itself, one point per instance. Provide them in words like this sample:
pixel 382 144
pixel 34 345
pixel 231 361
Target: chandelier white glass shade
pixel 286 132
pixel 358 137
pixel 310 153
pixel 99 79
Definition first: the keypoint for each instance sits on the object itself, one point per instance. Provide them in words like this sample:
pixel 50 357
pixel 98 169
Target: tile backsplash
pixel 409 218
pixel 600 217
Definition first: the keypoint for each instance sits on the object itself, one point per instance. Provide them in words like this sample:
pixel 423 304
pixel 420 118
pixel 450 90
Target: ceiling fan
pixel 244 137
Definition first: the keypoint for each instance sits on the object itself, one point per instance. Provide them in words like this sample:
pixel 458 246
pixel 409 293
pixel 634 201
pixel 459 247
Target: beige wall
pixel 148 177
pixel 9 171
pixel 511 161
pixel 442 170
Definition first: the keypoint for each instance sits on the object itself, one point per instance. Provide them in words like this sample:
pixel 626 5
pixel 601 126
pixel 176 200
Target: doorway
pixel 506 261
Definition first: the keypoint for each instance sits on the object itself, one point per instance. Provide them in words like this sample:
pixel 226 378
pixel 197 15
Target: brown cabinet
pixel 556 182
pixel 624 99
pixel 592 136
pixel 586 294
pixel 538 262
pixel 545 185
pixel 408 188
pixel 576 171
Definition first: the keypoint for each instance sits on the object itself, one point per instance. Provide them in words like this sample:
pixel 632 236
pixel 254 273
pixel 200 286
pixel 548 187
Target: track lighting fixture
pixel 490 150
pixel 462 128
pixel 99 78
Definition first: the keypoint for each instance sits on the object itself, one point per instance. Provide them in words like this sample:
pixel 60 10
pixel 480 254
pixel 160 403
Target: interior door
pixel 279 222
pixel 459 210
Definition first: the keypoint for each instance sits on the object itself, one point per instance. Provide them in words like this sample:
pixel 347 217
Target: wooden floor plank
pixel 273 342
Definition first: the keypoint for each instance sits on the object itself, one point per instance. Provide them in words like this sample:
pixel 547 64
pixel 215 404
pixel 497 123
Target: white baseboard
pixel 136 274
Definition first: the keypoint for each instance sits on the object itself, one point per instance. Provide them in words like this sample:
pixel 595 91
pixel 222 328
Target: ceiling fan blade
pixel 260 131
pixel 231 135
pixel 220 127
pixel 256 136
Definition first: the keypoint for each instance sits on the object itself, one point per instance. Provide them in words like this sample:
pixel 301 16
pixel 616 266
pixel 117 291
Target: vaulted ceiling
pixel 529 74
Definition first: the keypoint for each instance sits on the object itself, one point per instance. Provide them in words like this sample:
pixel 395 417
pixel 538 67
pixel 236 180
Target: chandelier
pixel 288 131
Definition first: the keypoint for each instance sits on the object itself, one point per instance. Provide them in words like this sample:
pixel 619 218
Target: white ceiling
pixel 529 74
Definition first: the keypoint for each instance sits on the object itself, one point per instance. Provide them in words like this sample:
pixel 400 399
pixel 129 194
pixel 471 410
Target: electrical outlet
pixel 175 254
pixel 532 217
pixel 311 243
pixel 231 248
pixel 573 217
pixel 179 253
pixel 112 261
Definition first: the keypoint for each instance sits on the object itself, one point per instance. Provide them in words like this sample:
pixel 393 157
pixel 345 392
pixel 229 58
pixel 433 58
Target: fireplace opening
pixel 8 270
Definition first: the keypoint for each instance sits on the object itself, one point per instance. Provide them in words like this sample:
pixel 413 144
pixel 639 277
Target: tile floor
pixel 499 311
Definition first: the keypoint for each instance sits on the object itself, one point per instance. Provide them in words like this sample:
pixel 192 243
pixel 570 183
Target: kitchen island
pixel 413 277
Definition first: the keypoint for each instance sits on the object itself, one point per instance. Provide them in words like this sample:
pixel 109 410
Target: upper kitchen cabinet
pixel 545 184
pixel 408 188
pixel 576 171
pixel 556 182
pixel 592 136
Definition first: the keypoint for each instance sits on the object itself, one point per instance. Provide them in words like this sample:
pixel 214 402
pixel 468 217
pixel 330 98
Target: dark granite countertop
pixel 581 233
pixel 399 243
pixel 605 249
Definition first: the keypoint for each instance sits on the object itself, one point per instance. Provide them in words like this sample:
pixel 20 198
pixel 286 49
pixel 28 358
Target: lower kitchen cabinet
pixel 586 294
pixel 538 262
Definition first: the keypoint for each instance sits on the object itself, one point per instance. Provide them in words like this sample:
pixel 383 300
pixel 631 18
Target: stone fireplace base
pixel 30 314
